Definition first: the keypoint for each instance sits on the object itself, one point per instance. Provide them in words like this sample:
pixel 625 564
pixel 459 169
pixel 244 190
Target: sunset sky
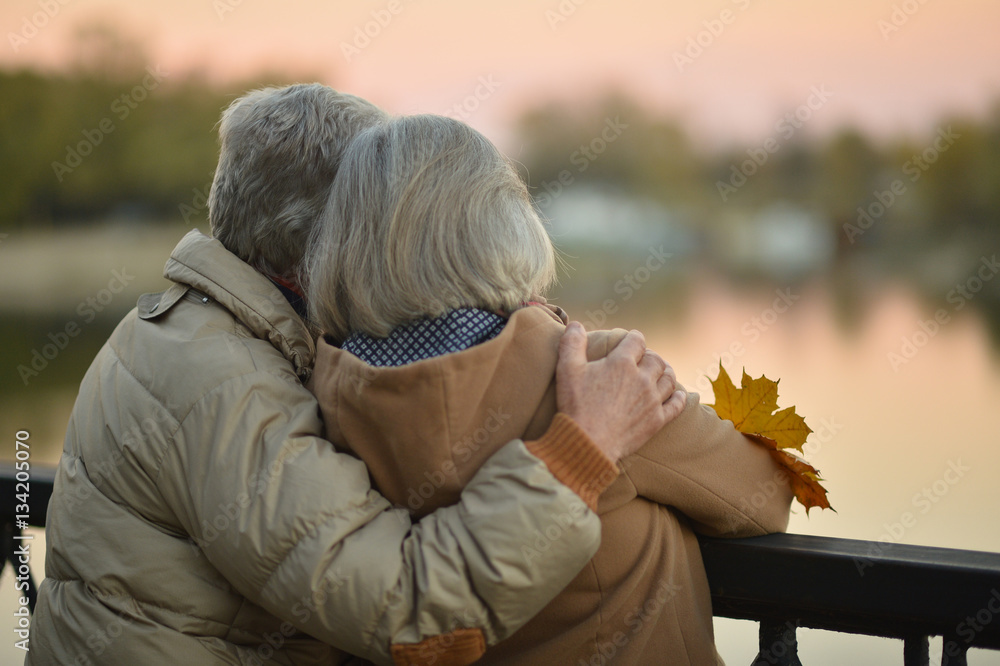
pixel 891 66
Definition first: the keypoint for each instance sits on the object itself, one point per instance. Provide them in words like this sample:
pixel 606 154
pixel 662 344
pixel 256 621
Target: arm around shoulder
pixel 310 541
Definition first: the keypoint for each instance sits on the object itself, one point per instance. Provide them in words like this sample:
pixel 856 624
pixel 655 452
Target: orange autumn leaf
pixel 753 409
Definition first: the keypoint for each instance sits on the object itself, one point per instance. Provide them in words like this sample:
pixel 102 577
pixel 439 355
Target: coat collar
pixel 203 263
pixel 445 415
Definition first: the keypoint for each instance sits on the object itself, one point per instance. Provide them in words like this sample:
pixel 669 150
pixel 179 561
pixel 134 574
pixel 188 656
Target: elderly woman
pixel 425 275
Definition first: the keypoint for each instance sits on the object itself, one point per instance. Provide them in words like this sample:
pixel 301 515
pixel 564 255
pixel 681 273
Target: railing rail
pixel 783 581
pixel 861 587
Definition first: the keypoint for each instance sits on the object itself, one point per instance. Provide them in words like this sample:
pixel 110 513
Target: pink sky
pixel 430 55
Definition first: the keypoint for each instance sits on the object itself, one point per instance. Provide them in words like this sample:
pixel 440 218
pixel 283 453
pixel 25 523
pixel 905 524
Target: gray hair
pixel 280 149
pixel 425 216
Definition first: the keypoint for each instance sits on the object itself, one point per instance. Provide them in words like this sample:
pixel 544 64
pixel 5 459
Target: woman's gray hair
pixel 280 151
pixel 425 216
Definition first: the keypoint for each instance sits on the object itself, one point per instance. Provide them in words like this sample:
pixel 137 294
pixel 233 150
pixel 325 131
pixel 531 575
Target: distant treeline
pixel 918 190
pixel 83 146
pixel 923 210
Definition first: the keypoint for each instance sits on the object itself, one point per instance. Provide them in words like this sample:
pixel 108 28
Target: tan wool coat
pixel 424 429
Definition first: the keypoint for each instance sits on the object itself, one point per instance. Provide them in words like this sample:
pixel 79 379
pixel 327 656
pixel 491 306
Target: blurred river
pixel 887 430
pixel 913 437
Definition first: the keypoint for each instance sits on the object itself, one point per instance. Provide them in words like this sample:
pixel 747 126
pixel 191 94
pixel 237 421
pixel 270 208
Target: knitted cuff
pixel 574 459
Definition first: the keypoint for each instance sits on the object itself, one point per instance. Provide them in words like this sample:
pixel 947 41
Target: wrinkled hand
pixel 619 400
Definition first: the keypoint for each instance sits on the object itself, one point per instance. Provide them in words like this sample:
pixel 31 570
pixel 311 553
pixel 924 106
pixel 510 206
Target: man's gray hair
pixel 425 216
pixel 280 149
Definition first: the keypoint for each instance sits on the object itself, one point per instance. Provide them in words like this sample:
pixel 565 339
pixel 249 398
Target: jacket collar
pixel 203 263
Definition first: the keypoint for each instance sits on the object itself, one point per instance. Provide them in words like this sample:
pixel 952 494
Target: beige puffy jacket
pixel 198 517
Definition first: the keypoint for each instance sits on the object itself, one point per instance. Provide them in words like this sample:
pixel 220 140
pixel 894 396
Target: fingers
pixel 654 362
pixel 572 349
pixel 673 407
pixel 666 384
pixel 632 346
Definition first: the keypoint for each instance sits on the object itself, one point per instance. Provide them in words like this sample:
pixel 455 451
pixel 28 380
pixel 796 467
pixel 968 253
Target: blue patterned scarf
pixel 426 338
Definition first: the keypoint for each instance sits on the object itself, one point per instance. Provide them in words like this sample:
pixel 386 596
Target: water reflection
pixel 889 438
pixel 910 450
pixel 887 433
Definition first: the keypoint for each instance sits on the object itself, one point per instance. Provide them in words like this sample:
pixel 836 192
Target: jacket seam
pixel 311 533
pixel 442 378
pixel 141 605
pixel 132 375
pixel 171 435
pixel 203 397
pixel 181 419
pixel 232 622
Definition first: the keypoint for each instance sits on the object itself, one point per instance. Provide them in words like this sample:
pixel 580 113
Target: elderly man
pixel 200 518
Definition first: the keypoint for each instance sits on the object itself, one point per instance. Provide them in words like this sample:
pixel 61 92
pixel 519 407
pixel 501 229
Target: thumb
pixel 572 349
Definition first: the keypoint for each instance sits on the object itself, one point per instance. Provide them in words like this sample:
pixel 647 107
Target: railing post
pixel 953 651
pixel 916 651
pixel 778 646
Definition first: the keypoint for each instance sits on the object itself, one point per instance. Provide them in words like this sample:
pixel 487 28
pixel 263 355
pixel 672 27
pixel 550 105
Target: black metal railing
pixel 787 581
pixel 783 581
pixel 35 487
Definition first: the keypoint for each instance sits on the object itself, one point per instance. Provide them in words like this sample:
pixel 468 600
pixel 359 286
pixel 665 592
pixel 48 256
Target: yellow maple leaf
pixel 753 409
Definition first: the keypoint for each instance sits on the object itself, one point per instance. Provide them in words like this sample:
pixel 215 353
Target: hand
pixel 619 400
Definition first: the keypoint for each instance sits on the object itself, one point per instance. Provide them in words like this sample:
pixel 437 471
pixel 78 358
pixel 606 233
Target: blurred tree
pixel 615 143
pixel 115 136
